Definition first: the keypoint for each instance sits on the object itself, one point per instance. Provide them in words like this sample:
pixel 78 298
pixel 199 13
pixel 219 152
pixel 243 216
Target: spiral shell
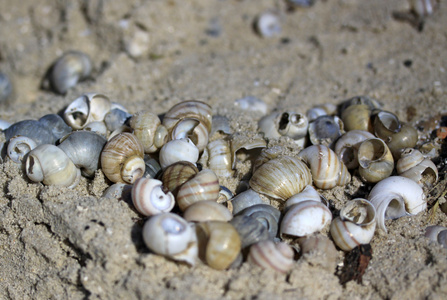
pixel 250 230
pixel 413 165
pixel 325 130
pixel 407 137
pixel 150 197
pixel 280 178
pixel 437 234
pixel 355 225
pixel 192 109
pixel 207 210
pixel 305 218
pixel 245 199
pixel 68 70
pixel 220 159
pixel 326 168
pixel 122 158
pixel 19 147
pixel 287 123
pixel 85 109
pixel 268 255
pixel 386 124
pixel 395 197
pixel 170 235
pixel 268 24
pixel 265 214
pixel 203 186
pixel 49 164
pixel 192 129
pixel 309 193
pixel 219 244
pixel 178 150
pixel 177 174
pixel 357 117
pixel 375 160
pixel 148 129
pixel 33 129
pixel 348 144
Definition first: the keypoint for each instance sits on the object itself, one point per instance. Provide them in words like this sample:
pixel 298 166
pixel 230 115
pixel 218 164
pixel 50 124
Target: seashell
pixel 268 255
pixel 252 104
pixel 288 123
pixel 395 197
pixel 49 164
pixel 56 124
pixel 4 125
pixel 153 168
pixel 150 197
pixel 375 160
pixel 189 109
pixel 32 129
pixel 245 199
pixel 326 168
pixel 97 127
pixel 122 158
pixel 357 117
pixel 360 100
pixel 322 245
pixel 355 225
pixel 178 150
pixel 220 160
pixel 308 193
pixel 219 243
pixel 281 178
pixel 413 165
pixel 348 144
pixel 115 118
pixel 203 186
pixel 266 155
pixel 305 218
pixel 121 129
pixel 407 137
pixel 437 234
pixel 220 124
pixel 266 214
pixel 68 70
pixel 321 110
pixel 148 129
pixel 192 129
pixel 170 235
pixel 177 174
pixel 5 87
pixel 224 196
pixel 19 147
pixel 442 238
pixel 250 230
pixel 84 149
pixel 119 191
pixel 207 210
pixel 87 108
pixel 325 130
pixel 386 124
pixel 239 141
pixel 423 8
pixel 268 25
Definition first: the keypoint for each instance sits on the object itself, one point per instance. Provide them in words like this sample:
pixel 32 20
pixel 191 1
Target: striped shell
pixel 192 109
pixel 177 174
pixel 268 255
pixel 150 198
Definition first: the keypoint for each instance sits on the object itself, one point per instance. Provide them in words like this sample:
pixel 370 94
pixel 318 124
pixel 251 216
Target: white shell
pixel 149 197
pixel 287 123
pixel 97 126
pixel 178 150
pixel 20 146
pixel 268 25
pixel 170 235
pixel 355 226
pixel 395 197
pixel 219 160
pixel 414 166
pixel 85 109
pixel 348 144
pixel 268 255
pixel 433 231
pixel 253 104
pixel 4 124
pixel 305 218
pixel 192 129
pixel 308 193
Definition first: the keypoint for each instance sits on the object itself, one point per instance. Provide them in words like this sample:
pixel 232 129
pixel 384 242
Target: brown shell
pixel 177 174
pixel 189 109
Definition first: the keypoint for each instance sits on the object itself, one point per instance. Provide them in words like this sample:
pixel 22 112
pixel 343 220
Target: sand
pixel 57 243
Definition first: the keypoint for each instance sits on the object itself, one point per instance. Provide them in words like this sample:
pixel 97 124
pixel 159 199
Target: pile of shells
pixel 177 163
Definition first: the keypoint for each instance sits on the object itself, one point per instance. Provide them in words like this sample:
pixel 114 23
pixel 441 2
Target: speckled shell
pixel 189 109
pixel 207 210
pixel 203 186
pixel 177 174
pixel 348 144
pixel 268 255
pixel 282 177
pixel 148 129
pixel 327 169
pixel 87 108
pixel 122 158
pixel 219 244
pixel 375 160
pixel 150 198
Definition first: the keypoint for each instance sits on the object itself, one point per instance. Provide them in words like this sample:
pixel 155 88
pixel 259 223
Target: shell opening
pixel 34 169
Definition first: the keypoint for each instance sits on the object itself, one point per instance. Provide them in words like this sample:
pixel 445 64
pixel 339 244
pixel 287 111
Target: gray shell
pixel 33 129
pixel 116 118
pixel 266 214
pixel 250 230
pixel 56 124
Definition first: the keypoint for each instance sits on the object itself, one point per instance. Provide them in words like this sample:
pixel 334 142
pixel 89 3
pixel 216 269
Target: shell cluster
pixel 177 163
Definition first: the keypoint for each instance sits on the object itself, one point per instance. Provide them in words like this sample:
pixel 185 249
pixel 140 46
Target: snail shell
pixel 266 214
pixel 177 174
pixel 268 25
pixel 437 234
pixel 245 199
pixel 326 168
pixel 119 191
pixel 386 124
pixel 178 150
pixel 250 230
pixel 407 137
pixel 85 109
pixel 203 186
pixel 20 146
pixel 56 124
pixel 357 117
pixel 355 225
pixel 413 165
pixel 97 127
pixel 288 123
pixel 219 244
pixel 148 129
pixel 348 144
pixel 423 8
pixel 281 178
pixel 153 168
pixel 268 255
pixel 321 110
pixel 192 129
pixel 84 149
pixel 322 245
pixel 49 164
pixel 170 235
pixel 122 158
pixel 325 130
pixel 309 193
pixel 220 160
pixel 68 70
pixel 395 197
pixel 239 141
pixel 207 210
pixel 33 129
pixel 189 109
pixel 375 160
pixel 266 155
pixel 4 124
pixel 150 198
pixel 115 118
pixel 305 218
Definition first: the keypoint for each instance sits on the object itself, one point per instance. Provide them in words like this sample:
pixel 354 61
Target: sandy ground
pixel 57 243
